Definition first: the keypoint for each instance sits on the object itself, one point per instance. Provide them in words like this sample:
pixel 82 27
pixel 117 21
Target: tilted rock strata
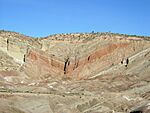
pixel 71 58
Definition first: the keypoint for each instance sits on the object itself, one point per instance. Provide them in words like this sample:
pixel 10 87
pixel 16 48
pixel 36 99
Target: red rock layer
pixel 40 64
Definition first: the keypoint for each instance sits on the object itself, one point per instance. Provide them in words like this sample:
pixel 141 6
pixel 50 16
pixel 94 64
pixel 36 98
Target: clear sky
pixel 44 17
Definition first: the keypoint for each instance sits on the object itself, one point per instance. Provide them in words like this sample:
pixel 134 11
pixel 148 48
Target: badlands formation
pixel 74 73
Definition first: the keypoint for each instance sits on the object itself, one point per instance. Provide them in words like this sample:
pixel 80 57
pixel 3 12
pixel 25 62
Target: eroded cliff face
pixel 74 56
pixel 80 64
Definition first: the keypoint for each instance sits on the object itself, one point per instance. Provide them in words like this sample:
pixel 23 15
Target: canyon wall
pixel 71 56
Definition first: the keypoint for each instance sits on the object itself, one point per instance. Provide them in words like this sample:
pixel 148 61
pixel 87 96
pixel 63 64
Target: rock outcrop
pixel 75 56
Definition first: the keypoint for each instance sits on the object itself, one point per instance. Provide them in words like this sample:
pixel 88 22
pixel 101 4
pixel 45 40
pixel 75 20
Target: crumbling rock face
pixel 39 64
pixel 76 59
pixel 67 56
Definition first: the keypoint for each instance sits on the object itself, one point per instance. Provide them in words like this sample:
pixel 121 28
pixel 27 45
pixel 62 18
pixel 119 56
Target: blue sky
pixel 44 17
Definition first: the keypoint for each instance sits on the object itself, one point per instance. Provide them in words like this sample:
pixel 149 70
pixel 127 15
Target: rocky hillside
pixel 74 73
